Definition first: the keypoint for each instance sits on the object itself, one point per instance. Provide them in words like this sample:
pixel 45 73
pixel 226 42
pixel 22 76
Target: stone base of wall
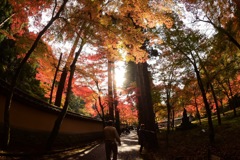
pixel 28 141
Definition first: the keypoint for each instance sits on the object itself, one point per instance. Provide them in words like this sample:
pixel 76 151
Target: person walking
pixel 111 138
pixel 141 137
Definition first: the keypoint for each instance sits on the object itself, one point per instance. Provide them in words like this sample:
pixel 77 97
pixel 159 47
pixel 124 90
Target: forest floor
pixel 194 144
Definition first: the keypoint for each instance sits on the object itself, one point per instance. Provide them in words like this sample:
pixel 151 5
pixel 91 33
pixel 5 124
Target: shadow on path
pixel 129 150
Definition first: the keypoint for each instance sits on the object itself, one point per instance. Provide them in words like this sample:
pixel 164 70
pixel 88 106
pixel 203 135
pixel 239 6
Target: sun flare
pixel 120 74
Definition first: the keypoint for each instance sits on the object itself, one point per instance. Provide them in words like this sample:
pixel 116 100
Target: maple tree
pixel 32 76
pixel 227 27
pixel 185 44
pixel 21 10
pixel 59 92
pixel 73 25
pixel 6 128
pixel 91 79
pixel 42 59
pixel 226 72
pixel 166 74
pixel 192 96
pixel 63 113
pixel 223 15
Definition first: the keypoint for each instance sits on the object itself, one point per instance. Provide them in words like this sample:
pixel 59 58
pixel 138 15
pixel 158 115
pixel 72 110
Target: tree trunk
pixel 145 104
pixel 221 102
pixel 110 91
pixel 207 107
pixel 60 118
pixel 231 93
pixel 63 78
pixel 173 117
pixel 216 103
pixel 102 110
pixel 63 113
pixel 198 115
pixel 61 85
pixel 102 115
pixel 168 124
pixel 6 129
pixel 54 79
pixel 197 111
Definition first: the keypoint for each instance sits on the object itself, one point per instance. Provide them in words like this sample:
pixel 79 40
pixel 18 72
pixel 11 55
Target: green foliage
pixel 159 108
pixel 156 96
pixel 76 104
pixel 28 83
pixel 8 60
pixel 5 12
pixel 8 63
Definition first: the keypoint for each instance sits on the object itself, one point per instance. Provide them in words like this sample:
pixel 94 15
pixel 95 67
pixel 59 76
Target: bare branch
pixel 6 20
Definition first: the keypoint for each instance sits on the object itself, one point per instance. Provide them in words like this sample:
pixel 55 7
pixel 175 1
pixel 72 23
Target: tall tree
pixel 226 72
pixel 110 90
pixel 145 105
pixel 6 128
pixel 63 113
pixel 64 73
pixel 185 43
pixel 54 79
pixel 166 76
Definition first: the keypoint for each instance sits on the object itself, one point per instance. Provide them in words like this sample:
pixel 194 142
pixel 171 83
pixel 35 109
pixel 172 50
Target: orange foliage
pixel 117 29
pixel 22 9
pixel 128 113
pixel 46 70
pixel 82 91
